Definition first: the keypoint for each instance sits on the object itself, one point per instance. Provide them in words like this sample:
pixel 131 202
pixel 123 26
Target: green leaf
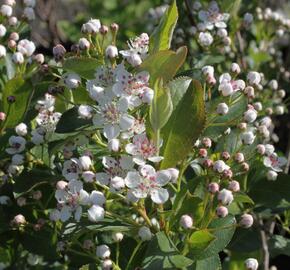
pixel 178 88
pixel 162 254
pixel 243 198
pixel 271 194
pixel 21 90
pixel 10 67
pixel 223 230
pixel 164 64
pixel 162 35
pixel 70 122
pixel 211 263
pixel 83 66
pixel 161 107
pixel 81 96
pixel 279 245
pixel 184 127
pixel 199 241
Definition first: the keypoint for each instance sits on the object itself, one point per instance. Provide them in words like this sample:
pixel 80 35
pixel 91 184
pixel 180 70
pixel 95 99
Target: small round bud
pixel 2 116
pixel 104 29
pixel 222 109
pixel 250 115
pixel 222 211
pixel 245 166
pixel 208 163
pixel 111 51
pixel 272 175
pixel 84 44
pixel 145 233
pixel 248 137
pixel 39 58
pixel 186 222
pixel 11 99
pixel 249 91
pixel 12 44
pixel 228 174
pixel 202 152
pixel 279 110
pixel 96 213
pixel 207 142
pixel 118 236
pixel 18 58
pixel 213 187
pixel 103 251
pixel 37 195
pixel 13 21
pixel 75 48
pixel 269 111
pixel 235 68
pixel 234 186
pixel 258 106
pixel 246 221
pixel 21 201
pixel 107 264
pixel 14 36
pixel 61 185
pixel 114 145
pixel 88 244
pixel 174 173
pixel 21 129
pixel 58 52
pixel 261 149
pixel 251 264
pixel 225 196
pixel 19 220
pixel 242 126
pixel 239 157
pixel 219 166
pixel 273 84
pixel 281 93
pixel 114 27
pixel 226 155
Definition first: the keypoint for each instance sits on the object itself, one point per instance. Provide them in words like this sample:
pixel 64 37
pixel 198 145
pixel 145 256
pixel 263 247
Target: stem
pixel 117 253
pixel 133 255
pixel 265 248
pixel 5 121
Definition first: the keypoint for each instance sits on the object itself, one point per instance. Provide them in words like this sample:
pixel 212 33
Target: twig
pixel 265 248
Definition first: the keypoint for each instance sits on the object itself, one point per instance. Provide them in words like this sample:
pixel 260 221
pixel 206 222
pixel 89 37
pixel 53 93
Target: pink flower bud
pixel 202 152
pixel 246 221
pixel 207 142
pixel 213 187
pixel 37 195
pixel 88 244
pixel 226 155
pixel 234 186
pixel 228 174
pixel 222 211
pixel 245 166
pixel 19 220
pixel 2 116
pixel 239 157
pixel 186 222
pixel 21 201
pixel 104 29
pixel 114 27
pixel 261 149
pixel 61 185
pixel 208 163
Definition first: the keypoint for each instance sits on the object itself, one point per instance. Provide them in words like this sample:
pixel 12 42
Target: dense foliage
pixel 155 154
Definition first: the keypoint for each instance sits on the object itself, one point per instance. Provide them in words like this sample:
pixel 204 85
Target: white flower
pixel 250 115
pixel 225 196
pixel 222 109
pixel 113 118
pixel 85 163
pixel 37 136
pixel 186 221
pixel 54 215
pixel 88 176
pixel 228 86
pixel 107 264
pixel 72 80
pixel 17 144
pixel 114 167
pixel 274 162
pixel 142 149
pixel 103 251
pixel 96 213
pixel 145 233
pixel 6 10
pixel 18 58
pixel 29 13
pixel 2 30
pixel 46 104
pixel 21 129
pixel 251 264
pixel 205 39
pixel 248 137
pixel 279 110
pixel 272 175
pixel 2 51
pixel 149 182
pixel 26 47
pixel 138 49
pixel 71 200
pixel 92 26
pixel 111 51
pixel 17 159
pixel 134 88
pixel 220 166
pixel 254 78
pixel 71 169
pixel 85 111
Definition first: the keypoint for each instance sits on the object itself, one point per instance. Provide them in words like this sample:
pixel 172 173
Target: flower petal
pixel 132 179
pixel 159 195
